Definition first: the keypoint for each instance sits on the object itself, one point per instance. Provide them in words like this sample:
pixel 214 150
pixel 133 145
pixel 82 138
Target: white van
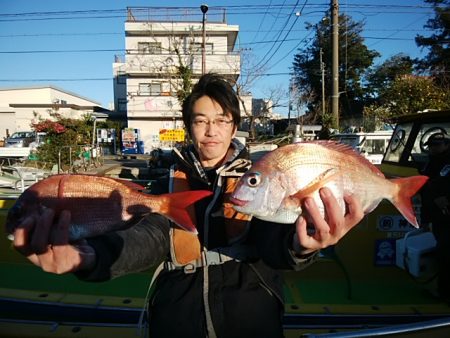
pixel 371 145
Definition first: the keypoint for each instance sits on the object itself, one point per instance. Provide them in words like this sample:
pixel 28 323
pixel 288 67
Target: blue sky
pixel 42 47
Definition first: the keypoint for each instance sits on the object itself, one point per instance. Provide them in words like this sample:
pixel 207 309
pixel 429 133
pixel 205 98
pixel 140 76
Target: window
pixel 122 105
pixel 374 146
pixel 147 89
pixel 149 47
pixel 197 48
pixel 121 77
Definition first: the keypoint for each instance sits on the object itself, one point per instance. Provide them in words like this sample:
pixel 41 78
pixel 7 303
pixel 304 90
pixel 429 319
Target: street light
pixel 204 9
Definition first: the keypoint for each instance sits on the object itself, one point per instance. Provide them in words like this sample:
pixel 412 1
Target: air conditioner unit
pixel 415 253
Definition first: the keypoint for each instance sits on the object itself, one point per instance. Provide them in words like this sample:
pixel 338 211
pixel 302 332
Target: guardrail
pixel 410 328
pixel 14 152
pixel 18 178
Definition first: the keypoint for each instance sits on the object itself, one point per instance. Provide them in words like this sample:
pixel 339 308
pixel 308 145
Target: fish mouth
pixel 238 202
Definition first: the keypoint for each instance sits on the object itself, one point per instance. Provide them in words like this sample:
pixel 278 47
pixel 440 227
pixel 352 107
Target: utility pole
pixel 204 9
pixel 289 102
pixel 335 63
pixel 322 70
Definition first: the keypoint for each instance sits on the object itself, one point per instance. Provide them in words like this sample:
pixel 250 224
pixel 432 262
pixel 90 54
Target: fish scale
pixel 100 204
pixel 275 186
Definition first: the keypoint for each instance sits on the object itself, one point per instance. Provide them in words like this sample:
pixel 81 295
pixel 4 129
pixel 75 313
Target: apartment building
pixel 161 45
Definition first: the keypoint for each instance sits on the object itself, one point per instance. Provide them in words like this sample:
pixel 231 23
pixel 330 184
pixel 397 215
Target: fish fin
pixel 177 208
pixel 315 184
pixel 348 150
pixel 407 188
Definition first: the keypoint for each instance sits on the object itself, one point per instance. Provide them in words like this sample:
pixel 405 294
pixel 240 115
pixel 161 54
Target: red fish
pixel 100 204
pixel 275 186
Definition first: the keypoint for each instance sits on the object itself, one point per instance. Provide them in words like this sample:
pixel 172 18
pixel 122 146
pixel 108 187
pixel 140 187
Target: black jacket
pixel 243 299
pixel 436 191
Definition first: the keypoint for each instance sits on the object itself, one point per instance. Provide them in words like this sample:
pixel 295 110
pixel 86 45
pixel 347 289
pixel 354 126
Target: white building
pixel 20 107
pixel 157 42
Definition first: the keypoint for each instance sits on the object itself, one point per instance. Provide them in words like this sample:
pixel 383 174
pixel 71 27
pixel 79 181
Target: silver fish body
pixel 274 187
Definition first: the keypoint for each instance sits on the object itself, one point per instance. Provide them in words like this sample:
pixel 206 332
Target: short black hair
pixel 218 89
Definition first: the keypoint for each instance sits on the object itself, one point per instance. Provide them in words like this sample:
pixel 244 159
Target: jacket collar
pixel 188 158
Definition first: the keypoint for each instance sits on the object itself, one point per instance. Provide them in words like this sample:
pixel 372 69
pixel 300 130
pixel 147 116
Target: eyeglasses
pixel 200 122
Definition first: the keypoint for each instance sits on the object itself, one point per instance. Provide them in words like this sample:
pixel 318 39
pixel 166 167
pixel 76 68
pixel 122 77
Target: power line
pixel 266 10
pixel 58 34
pixel 297 16
pixel 57 80
pixel 258 65
pixel 129 50
pixel 231 10
pixel 101 78
pixel 240 31
pixel 61 51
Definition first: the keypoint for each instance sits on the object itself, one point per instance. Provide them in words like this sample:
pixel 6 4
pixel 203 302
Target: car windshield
pixel 417 155
pixel 22 134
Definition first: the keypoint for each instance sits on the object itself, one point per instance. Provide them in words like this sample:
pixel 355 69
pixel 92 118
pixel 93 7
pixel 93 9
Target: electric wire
pixel 264 9
pixel 261 61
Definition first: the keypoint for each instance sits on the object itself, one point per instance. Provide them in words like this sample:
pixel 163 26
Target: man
pixel 436 208
pixel 439 155
pixel 222 282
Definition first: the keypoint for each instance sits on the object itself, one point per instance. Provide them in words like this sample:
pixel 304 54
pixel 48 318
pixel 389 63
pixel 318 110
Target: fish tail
pixel 179 207
pixel 407 188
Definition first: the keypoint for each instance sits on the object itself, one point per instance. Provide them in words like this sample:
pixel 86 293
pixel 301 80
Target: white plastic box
pixel 415 253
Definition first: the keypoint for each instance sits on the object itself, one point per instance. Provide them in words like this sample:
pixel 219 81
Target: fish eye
pixel 254 179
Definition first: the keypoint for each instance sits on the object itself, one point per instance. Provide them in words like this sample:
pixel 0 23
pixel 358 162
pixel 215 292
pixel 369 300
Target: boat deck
pixel 62 306
pixel 345 291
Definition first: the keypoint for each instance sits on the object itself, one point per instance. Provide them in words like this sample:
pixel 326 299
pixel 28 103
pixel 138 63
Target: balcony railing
pixel 171 14
pixel 159 64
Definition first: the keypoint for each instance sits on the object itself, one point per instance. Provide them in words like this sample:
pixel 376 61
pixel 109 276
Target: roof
pixel 50 87
pixel 430 114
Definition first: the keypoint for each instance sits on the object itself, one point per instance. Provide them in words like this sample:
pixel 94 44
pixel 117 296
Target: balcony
pixel 161 65
pixel 153 107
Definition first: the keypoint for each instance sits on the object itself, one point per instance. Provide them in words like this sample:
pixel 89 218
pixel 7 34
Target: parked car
pixel 371 145
pixel 39 139
pixel 21 139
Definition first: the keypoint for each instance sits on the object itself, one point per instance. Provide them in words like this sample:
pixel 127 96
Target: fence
pixel 81 158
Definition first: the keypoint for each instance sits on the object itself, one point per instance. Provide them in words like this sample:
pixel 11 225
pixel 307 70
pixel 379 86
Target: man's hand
pixel 45 242
pixel 327 231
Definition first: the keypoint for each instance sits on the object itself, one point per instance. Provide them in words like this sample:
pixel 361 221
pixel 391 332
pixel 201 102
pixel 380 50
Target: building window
pixel 149 47
pixel 122 105
pixel 121 77
pixel 147 89
pixel 197 48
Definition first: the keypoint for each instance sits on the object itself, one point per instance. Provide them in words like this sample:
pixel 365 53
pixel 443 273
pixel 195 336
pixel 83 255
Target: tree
pixel 63 134
pixel 250 72
pixel 382 76
pixel 354 58
pixel 406 95
pixel 437 62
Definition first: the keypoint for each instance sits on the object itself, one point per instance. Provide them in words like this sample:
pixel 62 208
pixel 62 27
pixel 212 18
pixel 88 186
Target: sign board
pixel 395 223
pixel 384 252
pixel 106 135
pixel 176 135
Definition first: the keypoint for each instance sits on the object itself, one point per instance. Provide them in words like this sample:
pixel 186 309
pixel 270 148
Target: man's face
pixel 212 130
